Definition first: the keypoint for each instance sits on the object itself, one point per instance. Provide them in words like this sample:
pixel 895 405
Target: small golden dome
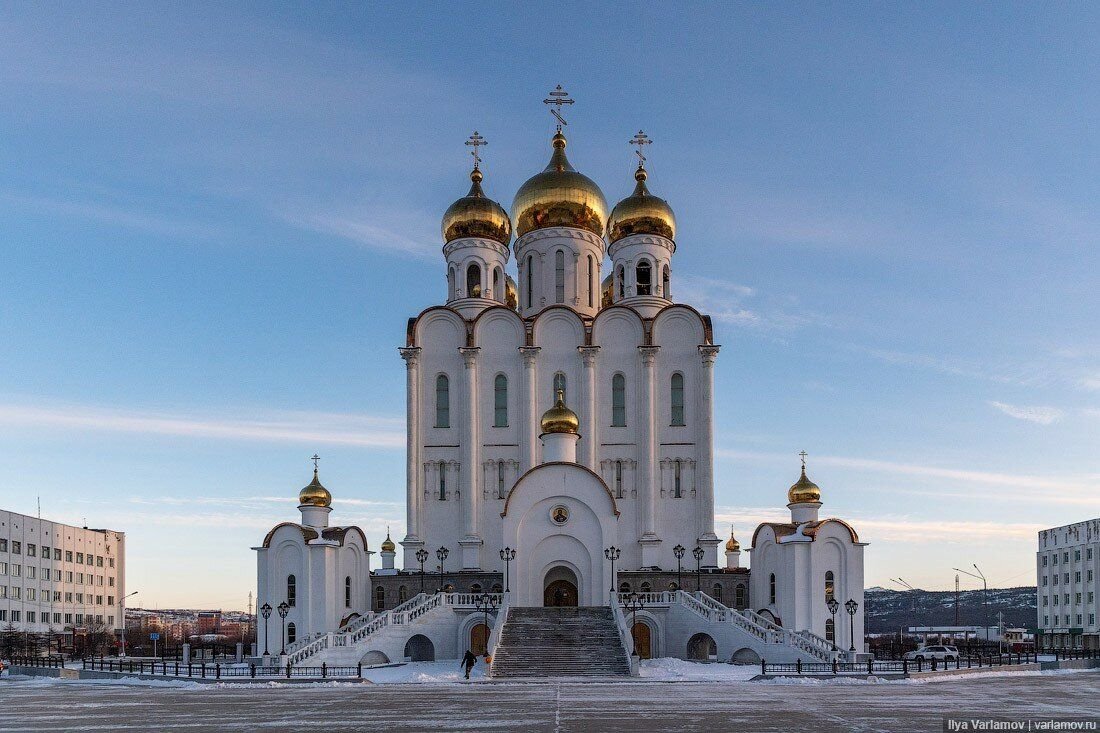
pixel 607 290
pixel 641 213
pixel 559 418
pixel 732 545
pixel 559 196
pixel 387 544
pixel 511 293
pixel 475 215
pixel 803 491
pixel 314 494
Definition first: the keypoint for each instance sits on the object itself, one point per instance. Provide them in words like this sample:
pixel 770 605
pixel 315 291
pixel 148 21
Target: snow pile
pixel 668 669
pixel 443 672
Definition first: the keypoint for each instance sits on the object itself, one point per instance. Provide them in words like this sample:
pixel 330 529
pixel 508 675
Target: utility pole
pixel 956 599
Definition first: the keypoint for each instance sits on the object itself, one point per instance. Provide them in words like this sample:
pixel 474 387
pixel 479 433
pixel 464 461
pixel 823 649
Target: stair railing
pixel 625 635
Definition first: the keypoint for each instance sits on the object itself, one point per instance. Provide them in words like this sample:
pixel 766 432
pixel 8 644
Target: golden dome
pixel 559 197
pixel 475 215
pixel 560 419
pixel 732 545
pixel 607 291
pixel 511 294
pixel 641 213
pixel 314 494
pixel 387 544
pixel 803 491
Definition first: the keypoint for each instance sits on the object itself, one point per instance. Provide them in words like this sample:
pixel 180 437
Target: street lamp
pixel 679 551
pixel 985 589
pixel 421 556
pixel 122 603
pixel 507 555
pixel 633 603
pixel 265 611
pixel 834 606
pixel 698 553
pixel 851 607
pixel 283 610
pixel 612 553
pixel 485 603
pixel 441 553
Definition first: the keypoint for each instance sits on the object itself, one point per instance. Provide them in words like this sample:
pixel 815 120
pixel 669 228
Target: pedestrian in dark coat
pixel 468 661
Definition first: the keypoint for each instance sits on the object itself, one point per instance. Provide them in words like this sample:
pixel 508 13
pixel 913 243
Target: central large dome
pixel 559 197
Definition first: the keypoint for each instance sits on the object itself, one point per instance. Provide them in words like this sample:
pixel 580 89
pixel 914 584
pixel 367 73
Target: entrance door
pixel 642 641
pixel 560 593
pixel 479 639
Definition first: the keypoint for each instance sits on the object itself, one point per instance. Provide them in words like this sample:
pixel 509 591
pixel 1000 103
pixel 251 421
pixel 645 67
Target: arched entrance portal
pixel 643 643
pixel 560 587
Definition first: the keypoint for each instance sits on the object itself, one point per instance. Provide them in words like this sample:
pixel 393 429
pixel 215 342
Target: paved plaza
pixel 558 706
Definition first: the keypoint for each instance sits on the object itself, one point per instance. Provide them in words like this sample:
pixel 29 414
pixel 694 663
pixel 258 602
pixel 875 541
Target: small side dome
pixel 559 418
pixel 732 545
pixel 387 544
pixel 803 491
pixel 641 213
pixel 511 293
pixel 475 215
pixel 559 196
pixel 314 494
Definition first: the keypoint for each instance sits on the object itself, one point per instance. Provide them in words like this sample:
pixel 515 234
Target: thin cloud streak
pixel 1038 414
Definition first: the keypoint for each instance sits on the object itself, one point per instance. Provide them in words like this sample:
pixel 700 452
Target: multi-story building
pixel 1066 567
pixel 55 577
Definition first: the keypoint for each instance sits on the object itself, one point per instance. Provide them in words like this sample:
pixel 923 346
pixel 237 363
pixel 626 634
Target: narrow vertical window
pixel 620 282
pixel 591 281
pixel 559 277
pixel 451 295
pixel 501 489
pixel 830 631
pixel 442 402
pixel 559 385
pixel 716 593
pixel 677 400
pixel 291 633
pixel 771 588
pixel 473 281
pixel 829 586
pixel 618 479
pixel 530 280
pixel 618 401
pixel 379 598
pixel 644 275
pixel 498 292
pixel 666 284
pixel 500 401
pixel 677 491
pixel 442 481
pixel 347 592
pixel 739 595
pixel 291 590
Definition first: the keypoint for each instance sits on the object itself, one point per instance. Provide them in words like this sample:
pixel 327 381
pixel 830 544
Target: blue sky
pixel 214 223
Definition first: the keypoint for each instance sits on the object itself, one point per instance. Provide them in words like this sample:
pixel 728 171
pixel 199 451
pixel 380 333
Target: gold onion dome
pixel 803 491
pixel 314 494
pixel 559 197
pixel 559 418
pixel 387 544
pixel 476 215
pixel 641 213
pixel 732 545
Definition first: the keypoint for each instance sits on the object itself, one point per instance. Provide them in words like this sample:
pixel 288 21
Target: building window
pixel 3 545
pixel 451 295
pixel 291 633
pixel 498 588
pixel 559 277
pixel 624 587
pixel 646 587
pixel 771 588
pixel 591 280
pixel 559 386
pixel 498 291
pixel 1044 561
pixel 402 594
pixel 677 400
pixel 829 586
pixel 379 598
pixel 677 489
pixel 618 479
pixel 502 490
pixel 68 555
pixel 530 280
pixel 347 592
pixel 476 589
pixel 500 401
pixel 1077 556
pixel 739 595
pixel 32 550
pixel 442 402
pixel 473 281
pixel 716 592
pixel 666 284
pixel 618 401
pixel 291 590
pixel 442 481
pixel 620 281
pixel 830 631
pixel 16 547
pixel 644 275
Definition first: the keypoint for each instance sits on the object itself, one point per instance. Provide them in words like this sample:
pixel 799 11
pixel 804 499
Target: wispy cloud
pixel 307 427
pixel 111 214
pixel 1034 413
pixel 736 304
pixel 378 228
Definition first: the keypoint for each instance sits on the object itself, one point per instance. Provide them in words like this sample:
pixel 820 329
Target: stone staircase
pixel 560 642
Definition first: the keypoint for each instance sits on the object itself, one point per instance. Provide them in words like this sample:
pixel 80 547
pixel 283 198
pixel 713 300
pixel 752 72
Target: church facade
pixel 561 447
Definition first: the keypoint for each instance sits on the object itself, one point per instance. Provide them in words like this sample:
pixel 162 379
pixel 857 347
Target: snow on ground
pixel 426 672
pixel 669 669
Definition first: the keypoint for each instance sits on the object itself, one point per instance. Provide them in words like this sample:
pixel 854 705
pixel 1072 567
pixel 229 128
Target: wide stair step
pixel 560 642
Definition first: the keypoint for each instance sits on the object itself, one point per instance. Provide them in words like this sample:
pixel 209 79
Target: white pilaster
pixel 588 429
pixel 704 474
pixel 471 498
pixel 648 447
pixel 414 497
pixel 530 416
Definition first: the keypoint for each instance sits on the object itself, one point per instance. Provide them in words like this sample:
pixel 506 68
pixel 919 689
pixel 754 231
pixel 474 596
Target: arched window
pixel 716 592
pixel 379 598
pixel 618 401
pixel 530 280
pixel 559 277
pixel 451 283
pixel 829 585
pixel 620 281
pixel 830 631
pixel 442 402
pixel 739 596
pixel 666 284
pixel 291 590
pixel 291 633
pixel 677 399
pixel 559 385
pixel 644 275
pixel 646 587
pixel 677 487
pixel 476 588
pixel 347 592
pixel 473 281
pixel 500 401
pixel 498 290
pixel 442 481
pixel 618 479
pixel 502 488
pixel 771 588
pixel 624 587
pixel 498 588
pixel 403 594
pixel 591 280
pixel 672 586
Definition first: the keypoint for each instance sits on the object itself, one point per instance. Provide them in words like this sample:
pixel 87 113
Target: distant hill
pixel 890 610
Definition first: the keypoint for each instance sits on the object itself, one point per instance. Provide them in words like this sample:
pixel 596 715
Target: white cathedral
pixel 560 471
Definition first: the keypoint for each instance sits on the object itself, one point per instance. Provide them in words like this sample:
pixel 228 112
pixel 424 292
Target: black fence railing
pixel 219 671
pixel 51 662
pixel 1073 653
pixel 904 666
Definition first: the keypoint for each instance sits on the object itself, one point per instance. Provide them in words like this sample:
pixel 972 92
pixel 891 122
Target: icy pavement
pixel 672 696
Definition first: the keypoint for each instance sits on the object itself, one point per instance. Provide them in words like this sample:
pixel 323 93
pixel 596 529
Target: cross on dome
pixel 557 98
pixel 640 139
pixel 476 141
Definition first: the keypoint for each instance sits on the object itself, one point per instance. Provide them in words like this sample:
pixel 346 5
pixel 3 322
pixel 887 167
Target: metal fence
pixel 51 662
pixel 219 671
pixel 903 667
pixel 1073 653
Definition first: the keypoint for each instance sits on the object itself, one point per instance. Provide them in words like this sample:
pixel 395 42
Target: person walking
pixel 468 661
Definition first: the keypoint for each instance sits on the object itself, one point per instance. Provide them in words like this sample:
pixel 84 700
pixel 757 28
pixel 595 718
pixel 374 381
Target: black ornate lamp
pixel 283 610
pixel 679 551
pixel 507 555
pixel 612 553
pixel 698 553
pixel 441 553
pixel 851 607
pixel 265 611
pixel 834 606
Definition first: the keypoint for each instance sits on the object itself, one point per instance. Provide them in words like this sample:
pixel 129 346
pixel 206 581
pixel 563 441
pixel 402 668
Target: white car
pixel 928 653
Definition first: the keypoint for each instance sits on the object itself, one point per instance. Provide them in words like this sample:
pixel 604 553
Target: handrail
pixel 625 635
pixel 498 627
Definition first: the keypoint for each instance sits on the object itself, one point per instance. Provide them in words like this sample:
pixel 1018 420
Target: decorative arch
pixel 618 317
pixel 699 323
pixel 429 318
pixel 419 648
pixel 307 532
pixel 495 315
pixel 593 474
pixel 702 648
pixel 558 313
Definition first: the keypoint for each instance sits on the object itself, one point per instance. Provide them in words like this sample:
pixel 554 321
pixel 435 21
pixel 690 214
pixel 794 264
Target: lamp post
pixel 679 551
pixel 283 610
pixel 633 603
pixel 507 555
pixel 122 603
pixel 485 603
pixel 441 553
pixel 834 606
pixel 612 553
pixel 851 607
pixel 985 589
pixel 421 556
pixel 265 611
pixel 698 553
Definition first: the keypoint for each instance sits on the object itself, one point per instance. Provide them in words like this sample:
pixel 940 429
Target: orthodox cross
pixel 640 139
pixel 803 454
pixel 558 97
pixel 475 142
pixel 315 458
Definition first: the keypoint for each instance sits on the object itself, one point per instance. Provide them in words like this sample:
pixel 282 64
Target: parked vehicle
pixel 928 653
